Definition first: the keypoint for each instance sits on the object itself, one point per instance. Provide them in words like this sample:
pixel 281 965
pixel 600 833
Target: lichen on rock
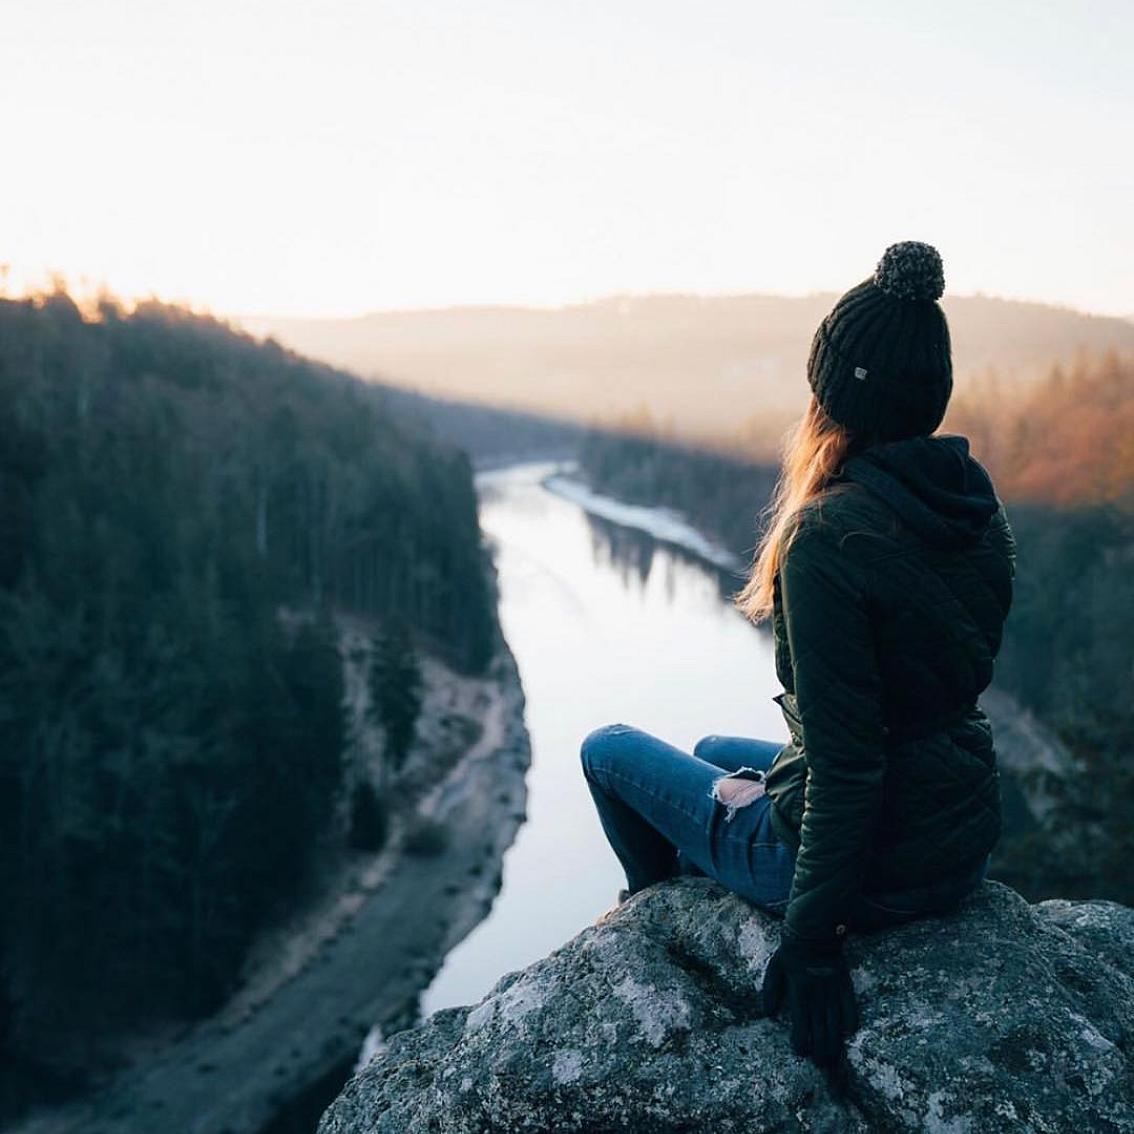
pixel 1001 1016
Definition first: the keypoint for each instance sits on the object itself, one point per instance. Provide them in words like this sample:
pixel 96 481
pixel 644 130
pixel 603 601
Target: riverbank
pixel 360 955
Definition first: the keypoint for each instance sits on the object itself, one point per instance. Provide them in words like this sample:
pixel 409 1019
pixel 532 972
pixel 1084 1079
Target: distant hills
pixel 706 366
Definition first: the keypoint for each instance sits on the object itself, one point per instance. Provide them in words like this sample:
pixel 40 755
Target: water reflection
pixel 632 553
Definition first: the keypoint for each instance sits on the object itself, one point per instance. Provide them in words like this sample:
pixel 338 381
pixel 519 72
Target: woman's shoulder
pixel 843 509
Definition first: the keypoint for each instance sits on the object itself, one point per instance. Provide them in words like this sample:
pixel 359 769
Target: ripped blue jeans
pixel 665 812
pixel 660 809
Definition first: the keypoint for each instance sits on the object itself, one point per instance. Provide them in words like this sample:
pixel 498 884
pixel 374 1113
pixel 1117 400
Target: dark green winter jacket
pixel 889 607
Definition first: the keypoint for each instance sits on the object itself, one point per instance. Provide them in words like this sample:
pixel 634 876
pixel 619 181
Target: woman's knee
pixel 705 746
pixel 600 743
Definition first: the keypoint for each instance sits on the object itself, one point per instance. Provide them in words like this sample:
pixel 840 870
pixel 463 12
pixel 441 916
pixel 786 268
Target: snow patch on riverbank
pixel 664 524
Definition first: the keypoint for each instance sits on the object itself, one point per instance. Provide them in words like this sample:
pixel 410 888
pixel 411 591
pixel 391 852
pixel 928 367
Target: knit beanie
pixel 881 362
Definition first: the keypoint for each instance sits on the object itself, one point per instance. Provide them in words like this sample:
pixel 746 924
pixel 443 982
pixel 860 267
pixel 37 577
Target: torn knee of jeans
pixel 737 789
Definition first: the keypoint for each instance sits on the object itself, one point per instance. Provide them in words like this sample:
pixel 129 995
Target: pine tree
pixel 369 823
pixel 396 688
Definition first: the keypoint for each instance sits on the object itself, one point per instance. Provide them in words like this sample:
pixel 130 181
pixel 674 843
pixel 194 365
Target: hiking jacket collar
pixel 934 484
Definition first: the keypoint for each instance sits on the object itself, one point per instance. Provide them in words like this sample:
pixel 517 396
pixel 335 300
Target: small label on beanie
pixel 860 373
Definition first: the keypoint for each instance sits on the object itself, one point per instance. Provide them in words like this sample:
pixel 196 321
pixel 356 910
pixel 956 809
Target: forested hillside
pixel 182 511
pixel 1063 461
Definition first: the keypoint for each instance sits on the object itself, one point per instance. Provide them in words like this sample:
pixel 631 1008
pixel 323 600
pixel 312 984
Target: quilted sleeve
pixel 1005 538
pixel 838 694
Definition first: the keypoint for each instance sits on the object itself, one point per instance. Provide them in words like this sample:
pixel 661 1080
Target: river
pixel 606 623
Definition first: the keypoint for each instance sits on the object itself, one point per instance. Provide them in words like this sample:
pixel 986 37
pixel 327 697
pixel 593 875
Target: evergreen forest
pixel 183 512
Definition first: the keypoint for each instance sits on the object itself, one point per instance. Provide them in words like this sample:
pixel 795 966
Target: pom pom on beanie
pixel 911 270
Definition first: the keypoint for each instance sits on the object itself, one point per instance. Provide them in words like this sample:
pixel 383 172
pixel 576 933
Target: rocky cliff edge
pixel 1002 1016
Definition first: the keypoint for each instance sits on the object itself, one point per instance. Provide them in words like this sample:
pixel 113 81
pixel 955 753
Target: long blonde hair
pixel 812 454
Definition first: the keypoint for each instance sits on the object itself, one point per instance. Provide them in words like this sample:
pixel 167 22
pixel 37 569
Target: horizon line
pixel 630 296
pixel 85 291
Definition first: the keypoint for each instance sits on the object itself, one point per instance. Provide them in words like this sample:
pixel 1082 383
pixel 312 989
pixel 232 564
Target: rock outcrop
pixel 1002 1016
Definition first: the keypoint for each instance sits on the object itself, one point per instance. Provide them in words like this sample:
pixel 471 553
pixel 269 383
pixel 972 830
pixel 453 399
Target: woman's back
pixel 887 619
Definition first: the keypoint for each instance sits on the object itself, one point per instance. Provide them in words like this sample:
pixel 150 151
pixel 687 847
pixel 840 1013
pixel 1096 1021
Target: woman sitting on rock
pixel 886 566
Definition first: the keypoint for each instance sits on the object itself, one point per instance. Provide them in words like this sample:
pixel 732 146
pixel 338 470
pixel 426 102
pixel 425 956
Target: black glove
pixel 820 996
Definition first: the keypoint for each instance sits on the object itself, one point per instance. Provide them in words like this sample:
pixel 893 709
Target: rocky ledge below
pixel 1001 1016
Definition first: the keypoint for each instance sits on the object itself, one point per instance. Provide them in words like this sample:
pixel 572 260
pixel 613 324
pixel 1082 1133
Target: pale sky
pixel 339 156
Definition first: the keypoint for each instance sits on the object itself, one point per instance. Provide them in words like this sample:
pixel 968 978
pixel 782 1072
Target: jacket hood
pixel 934 484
